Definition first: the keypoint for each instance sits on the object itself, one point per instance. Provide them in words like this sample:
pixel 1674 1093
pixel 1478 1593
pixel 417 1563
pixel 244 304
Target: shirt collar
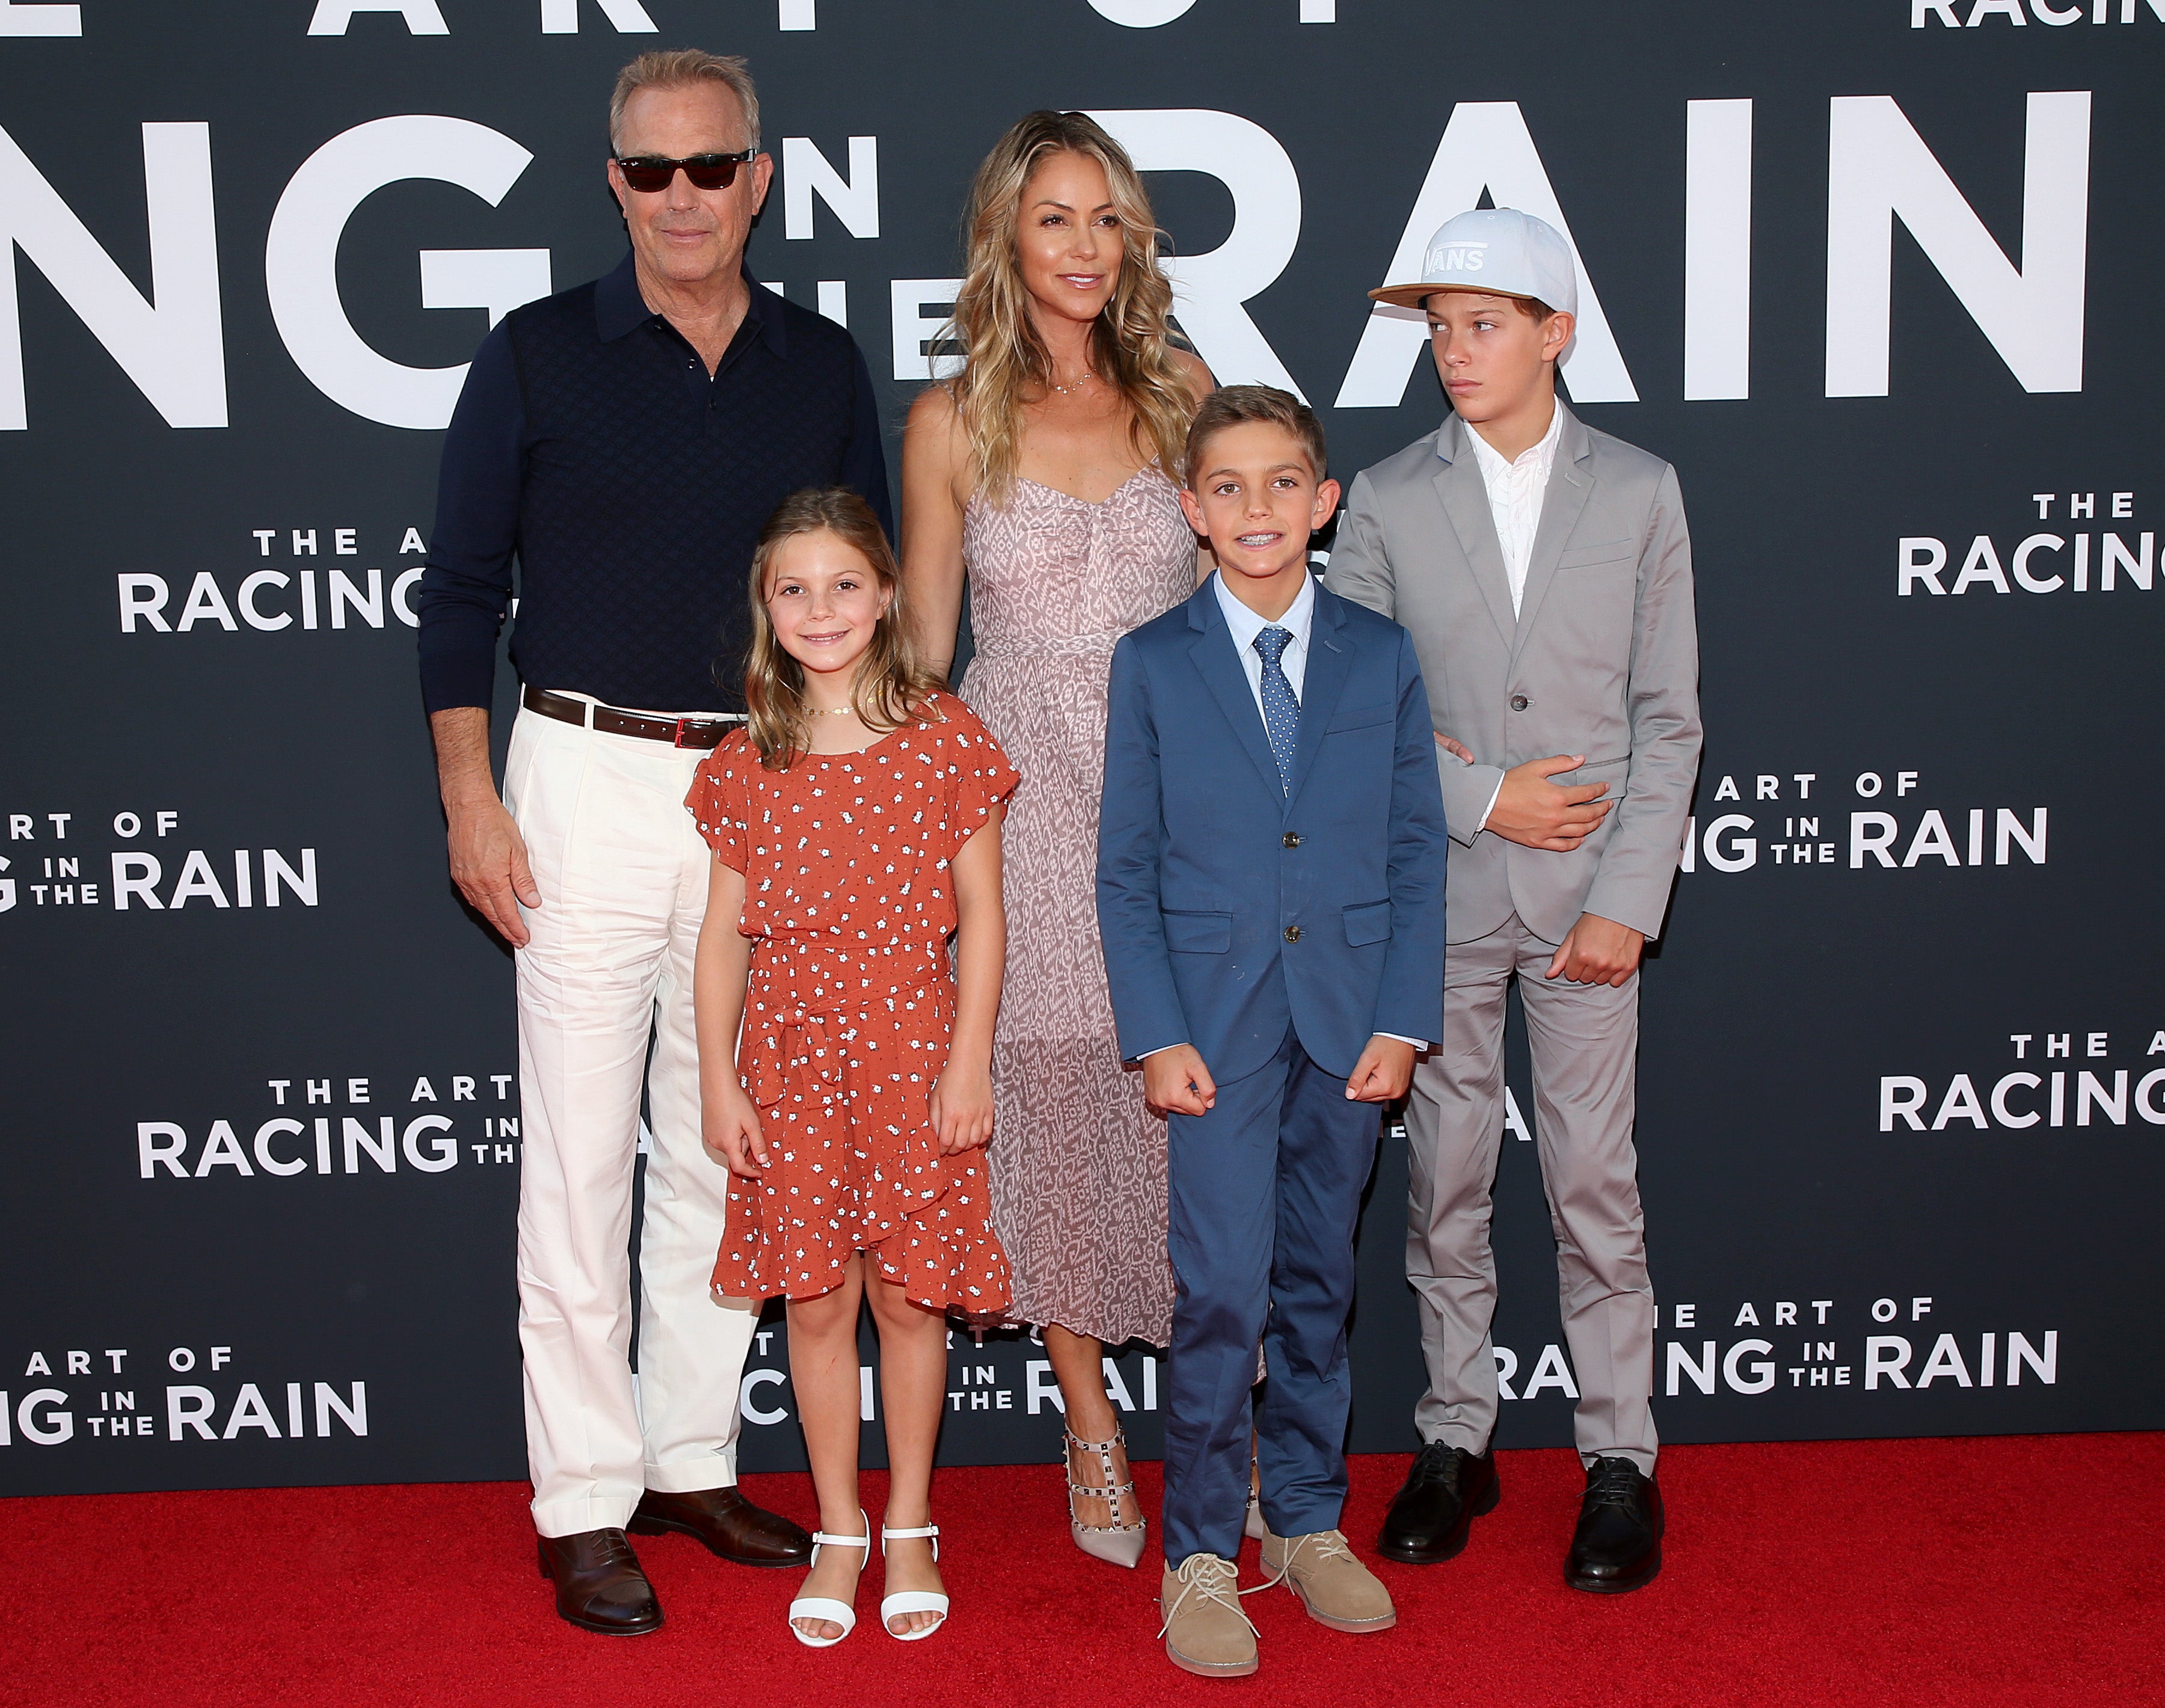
pixel 618 308
pixel 1245 624
pixel 1541 456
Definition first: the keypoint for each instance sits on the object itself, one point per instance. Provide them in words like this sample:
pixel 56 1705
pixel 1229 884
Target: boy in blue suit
pixel 1270 890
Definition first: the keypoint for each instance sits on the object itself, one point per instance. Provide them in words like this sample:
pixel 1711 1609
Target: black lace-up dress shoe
pixel 1447 1489
pixel 599 1584
pixel 1618 1544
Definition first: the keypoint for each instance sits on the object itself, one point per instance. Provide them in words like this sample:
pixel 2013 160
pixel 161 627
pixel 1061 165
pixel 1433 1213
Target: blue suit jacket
pixel 1229 906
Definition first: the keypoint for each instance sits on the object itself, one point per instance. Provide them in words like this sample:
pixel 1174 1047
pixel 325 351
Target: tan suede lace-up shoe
pixel 1337 1589
pixel 1205 1632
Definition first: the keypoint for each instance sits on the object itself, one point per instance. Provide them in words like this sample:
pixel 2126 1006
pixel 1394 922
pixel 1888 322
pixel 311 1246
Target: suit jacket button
pixel 1291 839
pixel 1293 934
pixel 1519 703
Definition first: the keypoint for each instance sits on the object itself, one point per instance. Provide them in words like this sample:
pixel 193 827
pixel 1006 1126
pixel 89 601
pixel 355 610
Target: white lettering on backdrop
pixel 1879 169
pixel 300 259
pixel 1210 289
pixel 1485 147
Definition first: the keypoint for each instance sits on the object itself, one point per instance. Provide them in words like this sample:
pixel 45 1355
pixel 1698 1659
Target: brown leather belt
pixel 678 732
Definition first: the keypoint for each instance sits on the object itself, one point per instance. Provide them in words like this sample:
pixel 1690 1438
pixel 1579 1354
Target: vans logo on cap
pixel 1458 258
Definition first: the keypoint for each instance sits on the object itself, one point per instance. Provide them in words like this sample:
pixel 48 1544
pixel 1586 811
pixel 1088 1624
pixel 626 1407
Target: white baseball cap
pixel 1500 250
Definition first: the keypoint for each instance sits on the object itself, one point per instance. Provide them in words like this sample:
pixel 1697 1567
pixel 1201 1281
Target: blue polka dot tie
pixel 1281 710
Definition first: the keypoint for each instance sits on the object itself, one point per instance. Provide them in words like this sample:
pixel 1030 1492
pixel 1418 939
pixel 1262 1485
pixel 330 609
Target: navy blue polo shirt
pixel 590 445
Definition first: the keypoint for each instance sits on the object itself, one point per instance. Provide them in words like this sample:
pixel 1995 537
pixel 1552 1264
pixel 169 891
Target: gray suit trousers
pixel 1585 1041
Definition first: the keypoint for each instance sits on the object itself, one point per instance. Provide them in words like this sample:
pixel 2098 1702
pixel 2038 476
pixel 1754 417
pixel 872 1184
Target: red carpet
pixel 2013 1570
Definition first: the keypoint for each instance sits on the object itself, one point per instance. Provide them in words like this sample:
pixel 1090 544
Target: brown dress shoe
pixel 599 1584
pixel 729 1526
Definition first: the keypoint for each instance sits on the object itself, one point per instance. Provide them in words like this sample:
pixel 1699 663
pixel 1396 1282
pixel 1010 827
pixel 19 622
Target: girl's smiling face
pixel 825 601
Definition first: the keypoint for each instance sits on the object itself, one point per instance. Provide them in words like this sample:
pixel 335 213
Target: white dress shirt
pixel 1516 488
pixel 1299 621
pixel 1245 624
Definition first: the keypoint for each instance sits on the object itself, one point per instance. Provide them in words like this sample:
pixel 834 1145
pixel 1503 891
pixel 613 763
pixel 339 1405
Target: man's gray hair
pixel 682 68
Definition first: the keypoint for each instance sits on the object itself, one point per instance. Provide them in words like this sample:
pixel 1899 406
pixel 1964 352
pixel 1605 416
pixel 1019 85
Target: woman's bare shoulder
pixel 1194 372
pixel 933 414
pixel 936 447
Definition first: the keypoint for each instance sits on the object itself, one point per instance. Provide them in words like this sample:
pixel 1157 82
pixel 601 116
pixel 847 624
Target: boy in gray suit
pixel 1545 573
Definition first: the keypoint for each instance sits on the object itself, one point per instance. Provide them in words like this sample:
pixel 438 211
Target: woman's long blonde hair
pixel 893 683
pixel 1131 344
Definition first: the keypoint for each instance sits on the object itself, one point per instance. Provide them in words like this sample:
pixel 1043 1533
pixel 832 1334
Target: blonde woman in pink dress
pixel 1040 473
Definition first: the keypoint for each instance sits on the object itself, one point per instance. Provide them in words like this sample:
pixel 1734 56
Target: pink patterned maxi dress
pixel 1077 1165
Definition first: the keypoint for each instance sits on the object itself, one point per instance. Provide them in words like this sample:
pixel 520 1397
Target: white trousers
pixel 622 876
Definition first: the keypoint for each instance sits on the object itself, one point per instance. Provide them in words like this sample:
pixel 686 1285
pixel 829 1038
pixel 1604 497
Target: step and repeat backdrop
pixel 1879 276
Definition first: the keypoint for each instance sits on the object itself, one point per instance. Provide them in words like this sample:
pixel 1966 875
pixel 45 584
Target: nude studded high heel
pixel 826 1607
pixel 1120 1543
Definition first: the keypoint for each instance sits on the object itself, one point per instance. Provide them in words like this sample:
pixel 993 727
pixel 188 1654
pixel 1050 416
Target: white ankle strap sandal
pixel 912 1600
pixel 826 1607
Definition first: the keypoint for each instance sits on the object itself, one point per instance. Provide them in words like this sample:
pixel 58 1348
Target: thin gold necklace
pixel 1068 391
pixel 832 711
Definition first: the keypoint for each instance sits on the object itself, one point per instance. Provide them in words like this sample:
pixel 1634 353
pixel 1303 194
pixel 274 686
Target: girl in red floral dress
pixel 856 826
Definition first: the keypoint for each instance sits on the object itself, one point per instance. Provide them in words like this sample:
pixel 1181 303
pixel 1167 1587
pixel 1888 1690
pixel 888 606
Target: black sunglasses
pixel 650 172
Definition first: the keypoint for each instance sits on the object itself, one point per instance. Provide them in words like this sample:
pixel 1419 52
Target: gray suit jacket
pixel 1602 660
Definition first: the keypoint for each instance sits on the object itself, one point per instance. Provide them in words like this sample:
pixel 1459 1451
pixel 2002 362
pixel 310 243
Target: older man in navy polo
pixel 623 441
